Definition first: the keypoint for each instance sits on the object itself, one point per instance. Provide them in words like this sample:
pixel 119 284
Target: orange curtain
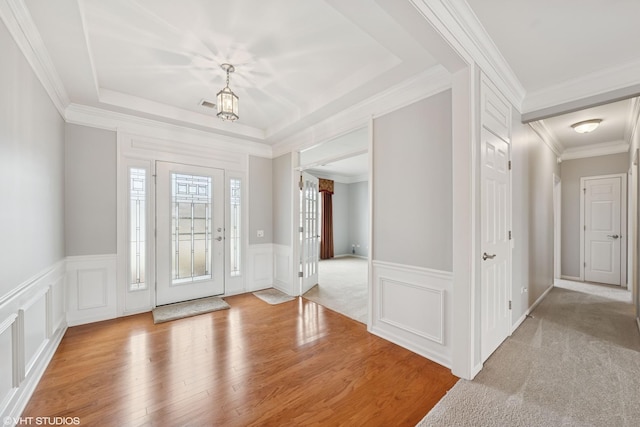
pixel 326 239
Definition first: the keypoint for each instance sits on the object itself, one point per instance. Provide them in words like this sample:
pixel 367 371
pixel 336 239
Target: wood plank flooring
pixel 291 364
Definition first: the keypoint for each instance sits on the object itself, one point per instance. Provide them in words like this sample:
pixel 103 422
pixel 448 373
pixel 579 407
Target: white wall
pixel 341 219
pixel 412 256
pixel 260 200
pixel 32 318
pixel 90 191
pixel 570 172
pixel 534 164
pixel 359 218
pixel 412 207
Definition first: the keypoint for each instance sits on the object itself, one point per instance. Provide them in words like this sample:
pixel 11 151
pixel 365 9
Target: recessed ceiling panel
pixel 287 53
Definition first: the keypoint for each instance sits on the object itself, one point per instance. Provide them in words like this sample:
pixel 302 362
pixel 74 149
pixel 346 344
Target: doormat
pixel 166 313
pixel 273 296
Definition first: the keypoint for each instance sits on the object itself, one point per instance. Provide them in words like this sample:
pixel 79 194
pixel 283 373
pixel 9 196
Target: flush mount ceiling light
pixel 586 126
pixel 227 100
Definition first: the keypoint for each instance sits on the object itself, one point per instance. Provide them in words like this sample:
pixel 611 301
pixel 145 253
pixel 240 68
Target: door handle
pixel 613 236
pixel 219 238
pixel 486 256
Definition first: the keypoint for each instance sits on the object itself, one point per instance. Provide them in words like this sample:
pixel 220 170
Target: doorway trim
pixel 557 227
pixel 623 224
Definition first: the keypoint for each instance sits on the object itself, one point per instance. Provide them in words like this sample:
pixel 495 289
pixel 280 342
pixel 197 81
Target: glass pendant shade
pixel 227 105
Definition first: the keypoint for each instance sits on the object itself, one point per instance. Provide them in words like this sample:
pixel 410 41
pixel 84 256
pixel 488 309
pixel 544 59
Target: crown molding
pixel 547 137
pixel 120 122
pixel 633 119
pixel 461 28
pixel 16 16
pixel 423 85
pixel 601 87
pixel 595 150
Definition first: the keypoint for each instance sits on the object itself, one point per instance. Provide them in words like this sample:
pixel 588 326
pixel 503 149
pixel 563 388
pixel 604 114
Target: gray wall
pixel 359 217
pixel 90 191
pixel 341 216
pixel 412 170
pixel 282 192
pixel 31 172
pixel 532 224
pixel 570 173
pixel 260 200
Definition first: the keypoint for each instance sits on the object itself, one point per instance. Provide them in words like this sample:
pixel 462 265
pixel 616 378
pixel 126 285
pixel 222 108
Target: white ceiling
pixel 296 62
pixel 301 62
pixel 352 169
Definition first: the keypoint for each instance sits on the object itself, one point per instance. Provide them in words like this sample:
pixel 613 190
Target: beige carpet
pixel 342 287
pixel 181 310
pixel 576 363
pixel 273 296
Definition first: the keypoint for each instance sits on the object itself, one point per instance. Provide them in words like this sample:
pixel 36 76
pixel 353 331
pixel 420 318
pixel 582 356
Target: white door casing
pixel 309 232
pixel 190 232
pixel 495 245
pixel 602 230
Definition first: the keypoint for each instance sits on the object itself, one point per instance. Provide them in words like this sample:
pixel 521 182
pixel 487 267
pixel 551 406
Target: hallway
pixel 576 362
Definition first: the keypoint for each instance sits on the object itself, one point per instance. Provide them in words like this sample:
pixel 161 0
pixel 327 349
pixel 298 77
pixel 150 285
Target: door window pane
pixel 191 228
pixel 137 228
pixel 234 234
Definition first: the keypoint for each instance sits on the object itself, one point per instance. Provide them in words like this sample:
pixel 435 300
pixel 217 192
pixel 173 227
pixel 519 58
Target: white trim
pixel 17 18
pixel 547 137
pixel 539 300
pixel 30 283
pixel 595 150
pixel 623 223
pixel 571 278
pixel 633 118
pixel 557 226
pixel 600 87
pixel 440 274
pixel 100 271
pixel 370 228
pixel 424 85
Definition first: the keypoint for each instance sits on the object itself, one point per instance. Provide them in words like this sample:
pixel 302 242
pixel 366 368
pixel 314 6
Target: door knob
pixel 219 238
pixel 613 236
pixel 486 256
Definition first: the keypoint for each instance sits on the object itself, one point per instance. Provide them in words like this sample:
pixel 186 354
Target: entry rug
pixel 166 313
pixel 273 296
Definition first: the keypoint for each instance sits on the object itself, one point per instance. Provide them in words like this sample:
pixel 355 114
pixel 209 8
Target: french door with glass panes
pixel 190 232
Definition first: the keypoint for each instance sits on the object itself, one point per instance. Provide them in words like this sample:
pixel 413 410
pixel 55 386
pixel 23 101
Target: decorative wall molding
pixel 632 121
pixel 412 307
pixel 91 289
pixel 16 16
pixel 592 89
pixel 456 22
pixel 545 134
pixel 32 324
pixel 282 269
pixel 260 267
pixel 595 150
pixel 424 85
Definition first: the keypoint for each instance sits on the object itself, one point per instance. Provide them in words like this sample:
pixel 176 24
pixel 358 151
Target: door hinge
pixel 300 274
pixel 509 234
pixel 585 264
pixel 584 190
pixel 585 227
pixel 509 305
pixel 509 164
pixel 301 184
pixel 301 230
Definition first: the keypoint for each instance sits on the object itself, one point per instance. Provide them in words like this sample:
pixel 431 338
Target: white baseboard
pixel 539 300
pixel 638 322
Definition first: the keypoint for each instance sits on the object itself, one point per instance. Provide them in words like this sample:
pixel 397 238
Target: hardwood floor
pixel 295 363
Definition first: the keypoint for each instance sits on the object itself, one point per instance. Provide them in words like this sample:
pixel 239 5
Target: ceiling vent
pixel 207 104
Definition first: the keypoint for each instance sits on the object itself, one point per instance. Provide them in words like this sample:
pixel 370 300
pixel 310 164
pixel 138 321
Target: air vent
pixel 207 104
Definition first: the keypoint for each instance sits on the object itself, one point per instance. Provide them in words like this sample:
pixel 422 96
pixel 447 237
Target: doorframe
pixel 623 223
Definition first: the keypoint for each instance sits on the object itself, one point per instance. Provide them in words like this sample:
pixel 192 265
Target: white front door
pixel 309 232
pixel 190 232
pixel 495 245
pixel 602 231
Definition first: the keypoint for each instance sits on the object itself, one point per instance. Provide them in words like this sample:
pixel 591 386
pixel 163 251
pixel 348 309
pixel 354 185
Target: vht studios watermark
pixel 42 421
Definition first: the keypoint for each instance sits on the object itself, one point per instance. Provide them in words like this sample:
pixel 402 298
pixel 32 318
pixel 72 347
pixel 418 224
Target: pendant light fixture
pixel 227 100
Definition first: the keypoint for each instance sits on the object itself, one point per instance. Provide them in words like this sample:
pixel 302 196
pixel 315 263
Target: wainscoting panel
pixel 32 324
pixel 282 267
pixel 91 289
pixel 411 307
pixel 260 267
